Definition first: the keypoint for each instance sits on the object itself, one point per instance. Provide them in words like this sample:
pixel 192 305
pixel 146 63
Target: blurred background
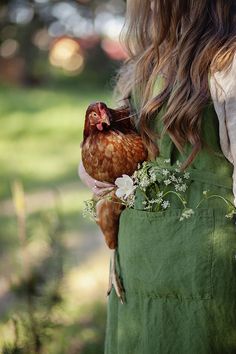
pixel 56 57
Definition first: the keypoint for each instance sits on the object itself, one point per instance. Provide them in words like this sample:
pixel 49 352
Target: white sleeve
pixel 223 91
pixel 230 110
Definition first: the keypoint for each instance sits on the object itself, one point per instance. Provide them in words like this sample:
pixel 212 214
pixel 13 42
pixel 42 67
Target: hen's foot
pixel 114 279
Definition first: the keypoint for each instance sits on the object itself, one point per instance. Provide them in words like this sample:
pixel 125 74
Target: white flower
pixel 125 186
pixel 165 172
pixel 167 181
pixel 89 209
pixel 145 182
pixel 186 214
pixel 186 175
pixel 165 204
pixel 135 174
pixel 156 201
pixel 152 175
pixel 178 163
pixel 177 187
pixel 148 207
pixel 152 178
pixel 230 214
pixel 205 192
pixel 181 187
pixel 130 200
pixel 167 161
pixel 173 178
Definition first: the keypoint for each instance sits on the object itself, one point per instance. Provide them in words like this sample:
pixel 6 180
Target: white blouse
pixel 223 93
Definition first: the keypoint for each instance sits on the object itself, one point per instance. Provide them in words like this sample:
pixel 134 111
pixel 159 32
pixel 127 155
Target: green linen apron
pixel 179 277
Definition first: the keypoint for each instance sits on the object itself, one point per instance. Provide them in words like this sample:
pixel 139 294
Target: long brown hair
pixel 183 41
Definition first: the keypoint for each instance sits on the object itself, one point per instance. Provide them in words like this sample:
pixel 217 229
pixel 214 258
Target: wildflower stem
pixel 157 188
pixel 113 201
pixel 144 194
pixel 123 203
pixel 228 202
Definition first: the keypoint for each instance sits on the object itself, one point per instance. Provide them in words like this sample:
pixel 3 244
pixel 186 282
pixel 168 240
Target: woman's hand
pixel 97 187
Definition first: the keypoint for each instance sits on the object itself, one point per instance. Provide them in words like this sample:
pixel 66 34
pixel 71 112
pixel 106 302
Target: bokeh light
pixel 9 48
pixel 41 39
pixel 21 13
pixel 65 53
pixel 113 49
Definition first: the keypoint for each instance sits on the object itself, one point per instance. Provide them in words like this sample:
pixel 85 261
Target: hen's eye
pixel 94 115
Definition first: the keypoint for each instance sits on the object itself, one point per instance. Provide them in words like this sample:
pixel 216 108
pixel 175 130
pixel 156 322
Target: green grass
pixel 40 135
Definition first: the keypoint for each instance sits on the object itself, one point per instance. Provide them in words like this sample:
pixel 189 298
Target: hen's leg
pixel 114 279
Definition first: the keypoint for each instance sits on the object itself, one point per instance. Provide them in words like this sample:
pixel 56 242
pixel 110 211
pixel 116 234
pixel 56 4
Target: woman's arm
pixel 230 112
pixel 97 187
pixel 223 91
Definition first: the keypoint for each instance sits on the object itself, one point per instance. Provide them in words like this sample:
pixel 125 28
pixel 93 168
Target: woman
pixel 180 278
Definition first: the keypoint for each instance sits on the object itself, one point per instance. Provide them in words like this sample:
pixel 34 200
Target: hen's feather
pixel 108 213
pixel 109 154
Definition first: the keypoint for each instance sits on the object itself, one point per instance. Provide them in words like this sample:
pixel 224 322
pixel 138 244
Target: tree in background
pixel 66 34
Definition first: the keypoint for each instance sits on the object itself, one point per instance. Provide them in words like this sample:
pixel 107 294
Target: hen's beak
pixel 105 119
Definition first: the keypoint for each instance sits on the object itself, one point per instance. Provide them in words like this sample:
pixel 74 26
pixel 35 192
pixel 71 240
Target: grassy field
pixel 53 282
pixel 40 133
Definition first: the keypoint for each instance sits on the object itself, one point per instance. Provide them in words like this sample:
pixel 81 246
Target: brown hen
pixel 111 147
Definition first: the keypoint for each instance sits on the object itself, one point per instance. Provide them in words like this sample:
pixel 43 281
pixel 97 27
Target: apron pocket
pixel 160 256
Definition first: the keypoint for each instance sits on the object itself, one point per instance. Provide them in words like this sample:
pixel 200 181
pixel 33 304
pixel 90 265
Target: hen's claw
pixel 110 281
pixel 114 279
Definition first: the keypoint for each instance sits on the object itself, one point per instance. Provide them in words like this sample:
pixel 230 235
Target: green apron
pixel 179 277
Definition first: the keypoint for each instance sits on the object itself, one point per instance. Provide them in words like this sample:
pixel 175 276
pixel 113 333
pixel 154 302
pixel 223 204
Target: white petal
pixel 129 191
pixel 120 182
pixel 124 181
pixel 120 193
pixel 128 179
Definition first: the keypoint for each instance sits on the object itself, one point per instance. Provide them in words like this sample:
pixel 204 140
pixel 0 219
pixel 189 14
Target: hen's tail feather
pixel 108 211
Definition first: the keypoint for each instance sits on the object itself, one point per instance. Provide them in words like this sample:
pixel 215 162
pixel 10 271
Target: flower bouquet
pixel 150 188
